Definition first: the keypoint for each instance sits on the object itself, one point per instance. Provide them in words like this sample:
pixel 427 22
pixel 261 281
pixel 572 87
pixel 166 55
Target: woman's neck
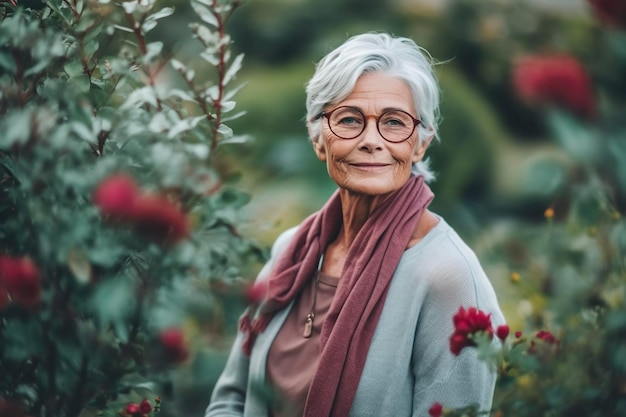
pixel 356 209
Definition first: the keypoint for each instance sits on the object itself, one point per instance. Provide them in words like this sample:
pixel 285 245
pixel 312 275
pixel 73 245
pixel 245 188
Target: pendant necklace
pixel 308 324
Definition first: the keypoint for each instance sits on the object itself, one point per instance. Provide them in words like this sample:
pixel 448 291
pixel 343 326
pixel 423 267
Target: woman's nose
pixel 370 138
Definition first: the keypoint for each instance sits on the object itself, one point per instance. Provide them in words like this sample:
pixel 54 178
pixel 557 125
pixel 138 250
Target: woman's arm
pixel 229 394
pixel 440 376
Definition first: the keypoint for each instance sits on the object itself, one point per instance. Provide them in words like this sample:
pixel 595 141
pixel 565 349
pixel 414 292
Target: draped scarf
pixel 351 321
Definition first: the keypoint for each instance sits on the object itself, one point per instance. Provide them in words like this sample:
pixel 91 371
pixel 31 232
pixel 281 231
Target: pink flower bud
pixel 145 407
pixel 115 196
pixel 173 343
pixel 132 408
pixel 20 277
pixel 159 219
pixel 436 410
pixel 502 332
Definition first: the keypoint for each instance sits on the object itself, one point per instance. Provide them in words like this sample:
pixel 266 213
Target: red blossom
pixel 610 12
pixel 132 409
pixel 255 293
pixel 548 343
pixel 518 334
pixel 502 332
pixel 554 79
pixel 546 336
pixel 436 410
pixel 468 323
pixel 154 216
pixel 145 407
pixel 173 343
pixel 20 278
pixel 115 196
pixel 158 218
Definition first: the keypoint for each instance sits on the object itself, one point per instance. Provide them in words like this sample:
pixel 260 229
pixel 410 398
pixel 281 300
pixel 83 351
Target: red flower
pixel 502 332
pixel 115 196
pixel 436 410
pixel 20 278
pixel 546 336
pixel 159 219
pixel 173 343
pixel 145 407
pixel 132 409
pixel 466 324
pixel 119 198
pixel 518 334
pixel 554 79
pixel 255 293
pixel 548 343
pixel 610 12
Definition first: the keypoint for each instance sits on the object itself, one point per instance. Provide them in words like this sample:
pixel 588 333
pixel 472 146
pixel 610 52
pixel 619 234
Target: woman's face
pixel 368 164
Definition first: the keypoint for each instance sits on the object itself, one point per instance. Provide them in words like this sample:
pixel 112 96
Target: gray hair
pixel 337 73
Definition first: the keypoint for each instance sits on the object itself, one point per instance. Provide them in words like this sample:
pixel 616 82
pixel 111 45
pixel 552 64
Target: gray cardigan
pixel 409 365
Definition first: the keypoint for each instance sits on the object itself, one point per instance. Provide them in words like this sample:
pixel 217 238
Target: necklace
pixel 308 324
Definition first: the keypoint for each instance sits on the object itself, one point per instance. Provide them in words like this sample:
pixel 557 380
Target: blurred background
pixel 489 140
pixel 497 164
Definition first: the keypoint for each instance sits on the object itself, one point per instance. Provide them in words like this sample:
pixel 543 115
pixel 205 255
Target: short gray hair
pixel 337 73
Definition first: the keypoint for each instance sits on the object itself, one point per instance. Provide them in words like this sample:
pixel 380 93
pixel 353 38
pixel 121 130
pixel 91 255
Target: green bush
pixel 118 226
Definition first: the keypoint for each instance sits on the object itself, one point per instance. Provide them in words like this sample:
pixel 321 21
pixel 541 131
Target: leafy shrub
pixel 118 225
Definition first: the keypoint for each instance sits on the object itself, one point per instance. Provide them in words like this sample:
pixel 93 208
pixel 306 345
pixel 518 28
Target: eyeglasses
pixel 349 122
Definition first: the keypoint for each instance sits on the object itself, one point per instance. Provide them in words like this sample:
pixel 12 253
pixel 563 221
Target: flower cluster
pixel 173 344
pixel 19 281
pixel 143 409
pixel 556 80
pixel 610 12
pixel 543 343
pixel 155 216
pixel 467 324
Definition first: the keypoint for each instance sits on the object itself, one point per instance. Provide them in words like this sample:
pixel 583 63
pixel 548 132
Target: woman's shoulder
pixel 442 253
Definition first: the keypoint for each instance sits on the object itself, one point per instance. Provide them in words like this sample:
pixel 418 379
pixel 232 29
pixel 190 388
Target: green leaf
pixel 74 68
pixel 574 136
pixel 544 177
pixel 204 13
pixel 113 301
pixel 7 62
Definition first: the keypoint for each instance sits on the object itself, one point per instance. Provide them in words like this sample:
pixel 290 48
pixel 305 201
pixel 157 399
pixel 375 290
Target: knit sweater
pixel 409 365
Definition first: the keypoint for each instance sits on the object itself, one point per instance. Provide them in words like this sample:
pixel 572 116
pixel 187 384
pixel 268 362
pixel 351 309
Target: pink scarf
pixel 360 297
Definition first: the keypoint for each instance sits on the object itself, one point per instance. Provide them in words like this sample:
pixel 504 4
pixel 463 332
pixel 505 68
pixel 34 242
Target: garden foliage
pixel 117 223
pixel 567 358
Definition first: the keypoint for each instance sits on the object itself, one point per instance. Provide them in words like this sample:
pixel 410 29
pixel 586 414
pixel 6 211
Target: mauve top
pixel 292 359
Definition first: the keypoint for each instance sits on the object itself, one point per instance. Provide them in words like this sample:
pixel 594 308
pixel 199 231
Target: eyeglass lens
pixel 349 122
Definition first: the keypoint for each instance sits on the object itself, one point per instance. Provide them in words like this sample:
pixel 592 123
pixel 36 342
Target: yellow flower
pixel 525 381
pixel 549 213
pixel 515 277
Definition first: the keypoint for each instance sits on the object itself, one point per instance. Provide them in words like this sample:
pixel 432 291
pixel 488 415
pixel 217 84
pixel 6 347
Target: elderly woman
pixel 358 313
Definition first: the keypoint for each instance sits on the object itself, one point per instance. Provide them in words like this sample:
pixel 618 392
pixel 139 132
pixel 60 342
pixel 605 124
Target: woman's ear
pixel 420 149
pixel 320 149
pixel 318 143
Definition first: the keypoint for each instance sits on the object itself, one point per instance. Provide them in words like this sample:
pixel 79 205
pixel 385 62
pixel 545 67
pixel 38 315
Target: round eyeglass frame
pixel 327 116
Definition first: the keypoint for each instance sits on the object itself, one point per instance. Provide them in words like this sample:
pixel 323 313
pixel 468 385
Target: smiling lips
pixel 369 166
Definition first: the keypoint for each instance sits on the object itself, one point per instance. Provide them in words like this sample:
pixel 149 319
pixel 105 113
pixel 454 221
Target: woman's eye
pixel 350 120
